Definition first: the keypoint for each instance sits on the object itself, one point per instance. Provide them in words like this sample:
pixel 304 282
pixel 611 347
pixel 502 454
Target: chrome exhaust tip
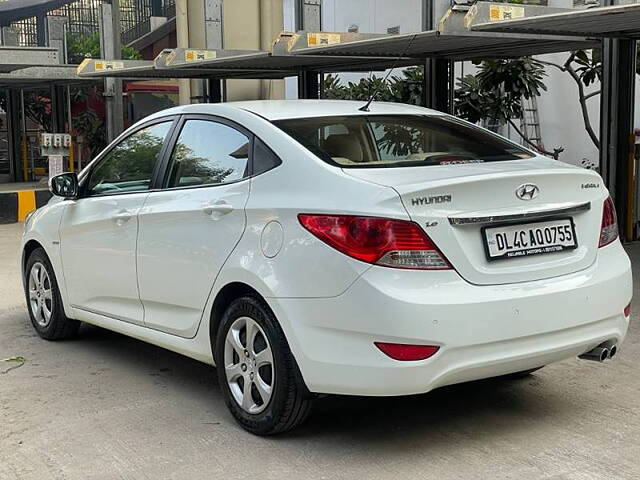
pixel 613 350
pixel 598 354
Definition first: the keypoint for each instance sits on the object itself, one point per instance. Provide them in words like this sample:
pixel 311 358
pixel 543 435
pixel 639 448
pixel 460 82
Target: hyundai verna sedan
pixel 308 247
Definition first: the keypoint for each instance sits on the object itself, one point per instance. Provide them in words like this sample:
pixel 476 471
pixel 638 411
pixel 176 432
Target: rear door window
pixel 208 153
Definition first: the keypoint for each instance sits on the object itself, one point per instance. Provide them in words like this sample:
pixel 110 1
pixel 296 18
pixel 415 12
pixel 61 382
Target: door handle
pixel 122 217
pixel 218 209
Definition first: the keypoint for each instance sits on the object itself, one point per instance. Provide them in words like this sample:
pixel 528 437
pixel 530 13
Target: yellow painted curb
pixel 26 204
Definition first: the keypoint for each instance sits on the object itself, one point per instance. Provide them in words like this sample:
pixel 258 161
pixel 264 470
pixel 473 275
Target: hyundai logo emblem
pixel 528 191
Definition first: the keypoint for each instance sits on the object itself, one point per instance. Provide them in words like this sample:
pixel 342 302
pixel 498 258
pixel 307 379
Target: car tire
pixel 44 302
pixel 257 373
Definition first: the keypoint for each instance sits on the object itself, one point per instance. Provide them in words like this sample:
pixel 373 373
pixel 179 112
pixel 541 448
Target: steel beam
pixel 617 149
pixel 214 40
pixel 617 162
pixel 438 84
pixel 308 16
pixel 437 87
pixel 57 109
pixel 308 84
pixel 14 130
pixel 111 50
pixel 156 8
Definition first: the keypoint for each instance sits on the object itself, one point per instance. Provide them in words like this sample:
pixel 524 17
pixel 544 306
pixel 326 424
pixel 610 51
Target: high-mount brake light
pixel 381 241
pixel 609 228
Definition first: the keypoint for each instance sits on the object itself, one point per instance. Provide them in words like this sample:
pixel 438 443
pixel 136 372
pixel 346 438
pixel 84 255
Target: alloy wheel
pixel 40 294
pixel 248 364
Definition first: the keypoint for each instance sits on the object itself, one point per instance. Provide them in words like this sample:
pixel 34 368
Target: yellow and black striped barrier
pixel 15 206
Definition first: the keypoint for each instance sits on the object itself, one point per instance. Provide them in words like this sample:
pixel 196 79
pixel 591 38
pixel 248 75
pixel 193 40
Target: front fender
pixel 43 227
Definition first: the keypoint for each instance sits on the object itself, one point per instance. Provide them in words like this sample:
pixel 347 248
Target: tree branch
pixel 581 95
pixel 592 94
pixel 555 154
pixel 551 64
pixel 583 106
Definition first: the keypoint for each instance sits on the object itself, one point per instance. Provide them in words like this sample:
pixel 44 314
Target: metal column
pixel 437 89
pixel 617 162
pixel 308 17
pixel 58 117
pixel 14 133
pixel 438 84
pixel 41 30
pixel 112 50
pixel 156 8
pixel 308 84
pixel 213 37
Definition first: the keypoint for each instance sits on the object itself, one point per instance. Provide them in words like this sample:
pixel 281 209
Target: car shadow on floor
pixel 488 407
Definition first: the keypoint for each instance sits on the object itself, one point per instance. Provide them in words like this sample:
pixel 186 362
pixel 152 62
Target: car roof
pixel 291 109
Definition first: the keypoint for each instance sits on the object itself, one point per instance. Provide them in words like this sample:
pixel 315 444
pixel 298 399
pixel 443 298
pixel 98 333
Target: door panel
pixel 98 237
pixel 187 232
pixel 98 232
pixel 185 237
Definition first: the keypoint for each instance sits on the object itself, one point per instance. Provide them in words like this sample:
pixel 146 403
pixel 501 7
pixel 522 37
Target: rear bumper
pixel 482 331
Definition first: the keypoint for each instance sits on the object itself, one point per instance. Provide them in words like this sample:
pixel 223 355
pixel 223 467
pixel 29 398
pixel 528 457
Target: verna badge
pixel 528 191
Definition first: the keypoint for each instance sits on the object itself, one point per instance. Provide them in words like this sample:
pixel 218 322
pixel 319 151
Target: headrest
pixel 345 146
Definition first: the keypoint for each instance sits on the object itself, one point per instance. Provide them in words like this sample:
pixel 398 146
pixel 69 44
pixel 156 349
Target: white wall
pixel 371 16
pixel 561 120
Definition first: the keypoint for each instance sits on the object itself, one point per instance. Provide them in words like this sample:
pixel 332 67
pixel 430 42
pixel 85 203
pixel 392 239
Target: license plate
pixel 523 240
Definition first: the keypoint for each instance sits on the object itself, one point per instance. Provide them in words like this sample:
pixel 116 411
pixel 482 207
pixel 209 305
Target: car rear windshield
pixel 399 141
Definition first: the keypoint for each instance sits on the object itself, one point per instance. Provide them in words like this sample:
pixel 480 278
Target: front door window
pixel 129 166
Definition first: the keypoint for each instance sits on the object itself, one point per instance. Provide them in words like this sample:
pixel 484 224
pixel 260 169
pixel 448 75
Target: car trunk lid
pixel 456 204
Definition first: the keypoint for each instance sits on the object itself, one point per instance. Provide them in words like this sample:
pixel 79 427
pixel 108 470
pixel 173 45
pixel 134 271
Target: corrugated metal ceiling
pixel 616 21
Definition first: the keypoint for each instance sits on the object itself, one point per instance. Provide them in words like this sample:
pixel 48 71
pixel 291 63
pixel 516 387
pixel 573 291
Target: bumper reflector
pixel 407 353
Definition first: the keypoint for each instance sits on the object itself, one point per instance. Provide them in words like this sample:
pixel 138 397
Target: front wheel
pixel 257 373
pixel 44 300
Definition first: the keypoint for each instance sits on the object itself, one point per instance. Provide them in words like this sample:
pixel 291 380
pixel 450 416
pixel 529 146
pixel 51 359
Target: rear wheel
pixel 44 300
pixel 257 373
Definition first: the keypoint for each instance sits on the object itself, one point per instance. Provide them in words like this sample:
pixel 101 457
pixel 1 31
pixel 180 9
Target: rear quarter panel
pixel 296 263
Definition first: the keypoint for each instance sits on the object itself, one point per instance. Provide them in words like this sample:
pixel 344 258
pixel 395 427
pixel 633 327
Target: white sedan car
pixel 309 247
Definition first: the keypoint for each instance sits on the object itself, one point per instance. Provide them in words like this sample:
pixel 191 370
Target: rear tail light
pixel 407 353
pixel 381 241
pixel 609 229
pixel 627 311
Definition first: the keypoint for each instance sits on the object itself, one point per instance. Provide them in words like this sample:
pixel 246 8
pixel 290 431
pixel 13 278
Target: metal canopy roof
pixel 135 69
pixel 341 52
pixel 432 43
pixel 616 21
pixel 279 62
pixel 15 58
pixel 194 63
pixel 453 39
pixel 42 76
pixel 218 63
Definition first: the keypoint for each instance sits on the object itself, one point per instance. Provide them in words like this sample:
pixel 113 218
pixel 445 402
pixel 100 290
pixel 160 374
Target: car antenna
pixel 365 107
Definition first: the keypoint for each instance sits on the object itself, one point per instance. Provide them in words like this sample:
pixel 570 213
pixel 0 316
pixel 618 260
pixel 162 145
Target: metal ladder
pixel 530 122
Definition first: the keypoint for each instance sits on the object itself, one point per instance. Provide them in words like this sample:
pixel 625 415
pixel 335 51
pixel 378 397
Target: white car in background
pixel 309 247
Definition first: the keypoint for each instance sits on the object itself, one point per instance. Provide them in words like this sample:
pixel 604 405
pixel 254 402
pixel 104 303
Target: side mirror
pixel 64 185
